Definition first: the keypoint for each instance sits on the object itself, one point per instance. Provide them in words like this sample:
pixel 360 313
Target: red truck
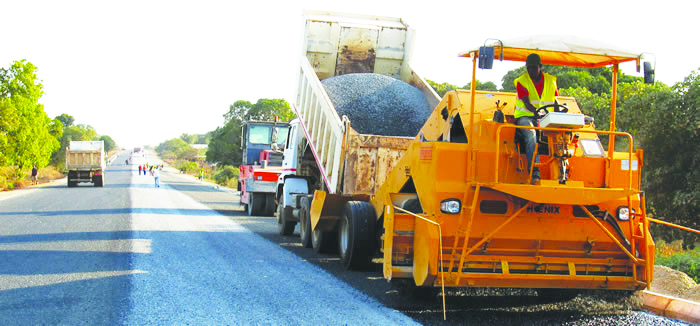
pixel 261 165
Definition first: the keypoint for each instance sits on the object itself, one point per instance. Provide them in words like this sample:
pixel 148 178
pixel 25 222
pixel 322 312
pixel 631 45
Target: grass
pixel 673 256
pixel 12 178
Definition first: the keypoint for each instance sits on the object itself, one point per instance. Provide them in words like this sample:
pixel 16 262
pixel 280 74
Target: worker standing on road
pixel 535 89
pixel 139 169
pixel 156 174
pixel 35 173
pixel 201 174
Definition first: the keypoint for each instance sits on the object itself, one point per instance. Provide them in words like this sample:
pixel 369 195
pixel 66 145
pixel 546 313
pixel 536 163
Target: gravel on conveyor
pixel 378 104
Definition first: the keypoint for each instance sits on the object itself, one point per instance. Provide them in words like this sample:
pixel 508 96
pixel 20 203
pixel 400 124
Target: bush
pixel 227 176
pixel 187 166
pixel 686 261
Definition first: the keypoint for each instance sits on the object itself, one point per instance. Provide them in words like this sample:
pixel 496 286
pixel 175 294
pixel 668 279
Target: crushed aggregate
pixel 378 104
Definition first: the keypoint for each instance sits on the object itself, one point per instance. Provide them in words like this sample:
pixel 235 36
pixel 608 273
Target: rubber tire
pixel 71 184
pixel 324 242
pixel 255 205
pixel 270 206
pixel 356 235
pixel 305 222
pixel 285 227
pixel 98 181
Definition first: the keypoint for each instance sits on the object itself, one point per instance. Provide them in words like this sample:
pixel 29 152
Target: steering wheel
pixel 542 111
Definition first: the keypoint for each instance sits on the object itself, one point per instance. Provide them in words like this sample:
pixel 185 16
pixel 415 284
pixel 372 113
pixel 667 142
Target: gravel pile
pixel 378 104
pixel 674 283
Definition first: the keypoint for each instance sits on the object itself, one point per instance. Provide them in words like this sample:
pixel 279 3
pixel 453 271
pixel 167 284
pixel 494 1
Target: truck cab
pixel 261 164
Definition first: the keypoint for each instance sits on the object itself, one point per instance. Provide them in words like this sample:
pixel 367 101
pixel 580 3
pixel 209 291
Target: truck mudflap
pixel 327 208
pixel 416 247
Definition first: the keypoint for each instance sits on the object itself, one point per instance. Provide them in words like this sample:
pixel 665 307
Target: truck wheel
pixel 255 205
pixel 323 241
pixel 305 222
pixel 270 205
pixel 70 183
pixel 286 227
pixel 356 235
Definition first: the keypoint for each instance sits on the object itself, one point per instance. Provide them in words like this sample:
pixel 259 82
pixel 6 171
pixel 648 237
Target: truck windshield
pixel 259 134
pixel 282 135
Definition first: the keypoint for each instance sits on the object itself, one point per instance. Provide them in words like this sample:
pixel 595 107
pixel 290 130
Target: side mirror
pixel 648 73
pixel 486 54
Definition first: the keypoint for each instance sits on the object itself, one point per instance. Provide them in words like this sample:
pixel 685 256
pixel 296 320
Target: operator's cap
pixel 533 60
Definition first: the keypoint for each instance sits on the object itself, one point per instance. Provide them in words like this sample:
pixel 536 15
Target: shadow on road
pixel 162 211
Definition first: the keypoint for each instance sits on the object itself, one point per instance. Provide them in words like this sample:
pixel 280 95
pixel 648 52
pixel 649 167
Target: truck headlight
pixel 450 206
pixel 623 213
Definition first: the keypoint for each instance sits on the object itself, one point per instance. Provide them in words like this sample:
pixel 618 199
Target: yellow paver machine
pixel 459 210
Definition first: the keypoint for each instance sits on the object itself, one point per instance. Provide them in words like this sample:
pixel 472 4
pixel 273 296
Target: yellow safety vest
pixel 548 93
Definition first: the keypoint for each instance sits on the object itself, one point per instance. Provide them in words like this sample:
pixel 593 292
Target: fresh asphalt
pixel 130 253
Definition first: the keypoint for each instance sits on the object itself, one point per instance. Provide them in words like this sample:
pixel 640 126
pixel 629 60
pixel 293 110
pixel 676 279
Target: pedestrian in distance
pixel 156 176
pixel 139 169
pixel 35 173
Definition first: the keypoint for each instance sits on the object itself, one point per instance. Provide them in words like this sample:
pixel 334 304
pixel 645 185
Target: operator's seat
pixel 542 141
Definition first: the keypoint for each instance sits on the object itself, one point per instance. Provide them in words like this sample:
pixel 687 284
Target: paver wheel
pixel 305 222
pixel 286 227
pixel 356 235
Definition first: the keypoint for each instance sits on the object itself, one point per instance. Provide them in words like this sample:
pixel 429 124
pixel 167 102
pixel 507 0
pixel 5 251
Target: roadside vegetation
pixel 28 136
pixel 673 255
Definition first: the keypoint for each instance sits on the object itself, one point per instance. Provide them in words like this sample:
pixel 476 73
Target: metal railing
pixel 323 128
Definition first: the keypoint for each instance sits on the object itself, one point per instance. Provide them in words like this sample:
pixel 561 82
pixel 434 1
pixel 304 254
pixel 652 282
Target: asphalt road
pixel 130 253
pixel 186 253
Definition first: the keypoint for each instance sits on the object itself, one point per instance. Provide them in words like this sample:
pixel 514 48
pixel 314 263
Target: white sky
pixel 144 72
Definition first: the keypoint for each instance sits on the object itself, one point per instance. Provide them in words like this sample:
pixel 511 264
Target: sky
pixel 143 72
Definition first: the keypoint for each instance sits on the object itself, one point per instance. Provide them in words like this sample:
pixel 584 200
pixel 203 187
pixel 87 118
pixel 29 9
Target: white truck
pixel 85 162
pixel 326 162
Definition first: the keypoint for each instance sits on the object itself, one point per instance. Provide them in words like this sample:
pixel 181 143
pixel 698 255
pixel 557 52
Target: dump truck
pixel 85 162
pixel 260 166
pixel 324 151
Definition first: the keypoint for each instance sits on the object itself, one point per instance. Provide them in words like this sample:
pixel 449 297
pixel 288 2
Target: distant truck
pixel 85 162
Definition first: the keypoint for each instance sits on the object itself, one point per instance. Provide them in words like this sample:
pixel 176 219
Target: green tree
pixel 225 144
pixel 109 142
pixel 669 132
pixel 79 132
pixel 173 149
pixel 66 119
pixel 443 88
pixel 224 147
pixel 27 135
pixel 596 80
pixel 189 138
pixel 487 86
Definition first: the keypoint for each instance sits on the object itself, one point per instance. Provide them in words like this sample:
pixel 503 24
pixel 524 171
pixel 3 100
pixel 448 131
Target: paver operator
pixel 535 89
